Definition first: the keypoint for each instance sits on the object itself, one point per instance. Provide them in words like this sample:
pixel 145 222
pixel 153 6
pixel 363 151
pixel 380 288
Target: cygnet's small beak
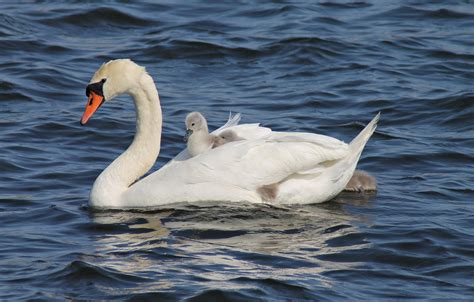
pixel 187 135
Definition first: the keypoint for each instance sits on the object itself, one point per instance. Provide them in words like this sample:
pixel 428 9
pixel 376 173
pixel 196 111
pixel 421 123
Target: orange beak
pixel 93 103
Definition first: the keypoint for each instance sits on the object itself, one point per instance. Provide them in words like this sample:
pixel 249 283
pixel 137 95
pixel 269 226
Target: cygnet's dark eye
pixel 192 124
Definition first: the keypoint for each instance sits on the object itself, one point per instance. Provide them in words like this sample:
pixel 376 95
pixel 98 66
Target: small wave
pixel 459 107
pixel 226 295
pixel 58 128
pixel 406 43
pixel 14 26
pixel 81 271
pixel 329 20
pixel 266 11
pixel 11 166
pixel 293 48
pixel 12 45
pixel 195 49
pixel 308 41
pixel 414 13
pixel 149 295
pixel 13 97
pixel 274 288
pixel 350 239
pixel 206 26
pixel 445 54
pixel 103 16
pixel 16 200
pixel 348 5
pixel 449 14
pixel 209 234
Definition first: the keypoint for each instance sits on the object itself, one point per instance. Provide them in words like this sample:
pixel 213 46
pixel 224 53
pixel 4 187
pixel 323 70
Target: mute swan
pixel 278 167
pixel 198 138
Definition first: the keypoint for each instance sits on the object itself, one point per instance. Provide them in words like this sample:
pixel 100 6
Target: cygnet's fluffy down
pixel 361 181
pixel 225 137
pixel 198 138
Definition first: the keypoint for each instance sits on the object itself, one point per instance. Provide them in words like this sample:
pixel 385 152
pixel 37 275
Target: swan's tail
pixel 347 166
pixel 358 143
pixel 342 171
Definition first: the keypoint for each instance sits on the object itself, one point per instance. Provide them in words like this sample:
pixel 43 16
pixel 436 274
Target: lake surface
pixel 312 66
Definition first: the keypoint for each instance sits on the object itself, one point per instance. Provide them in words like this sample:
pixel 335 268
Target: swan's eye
pixel 192 124
pixel 103 80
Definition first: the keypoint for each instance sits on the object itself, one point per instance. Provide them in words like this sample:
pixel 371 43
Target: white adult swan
pixel 278 167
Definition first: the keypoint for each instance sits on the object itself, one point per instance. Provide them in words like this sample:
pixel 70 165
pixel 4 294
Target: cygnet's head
pixel 195 122
pixel 229 136
pixel 226 137
pixel 110 80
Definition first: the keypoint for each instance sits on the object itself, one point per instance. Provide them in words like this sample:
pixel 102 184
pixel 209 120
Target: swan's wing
pixel 232 121
pixel 317 139
pixel 248 131
pixel 183 155
pixel 252 164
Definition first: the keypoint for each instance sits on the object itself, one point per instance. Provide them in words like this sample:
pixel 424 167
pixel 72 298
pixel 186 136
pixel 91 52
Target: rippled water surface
pixel 319 66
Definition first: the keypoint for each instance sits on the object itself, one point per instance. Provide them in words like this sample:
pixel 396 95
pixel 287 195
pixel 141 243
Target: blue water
pixel 313 66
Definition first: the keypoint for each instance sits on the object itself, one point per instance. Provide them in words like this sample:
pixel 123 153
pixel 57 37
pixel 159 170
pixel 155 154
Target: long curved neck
pixel 140 155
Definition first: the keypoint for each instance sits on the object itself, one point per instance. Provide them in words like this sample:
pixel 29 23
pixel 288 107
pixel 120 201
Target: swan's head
pixel 113 78
pixel 195 122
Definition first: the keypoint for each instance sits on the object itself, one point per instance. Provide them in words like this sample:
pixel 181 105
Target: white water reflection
pixel 220 243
